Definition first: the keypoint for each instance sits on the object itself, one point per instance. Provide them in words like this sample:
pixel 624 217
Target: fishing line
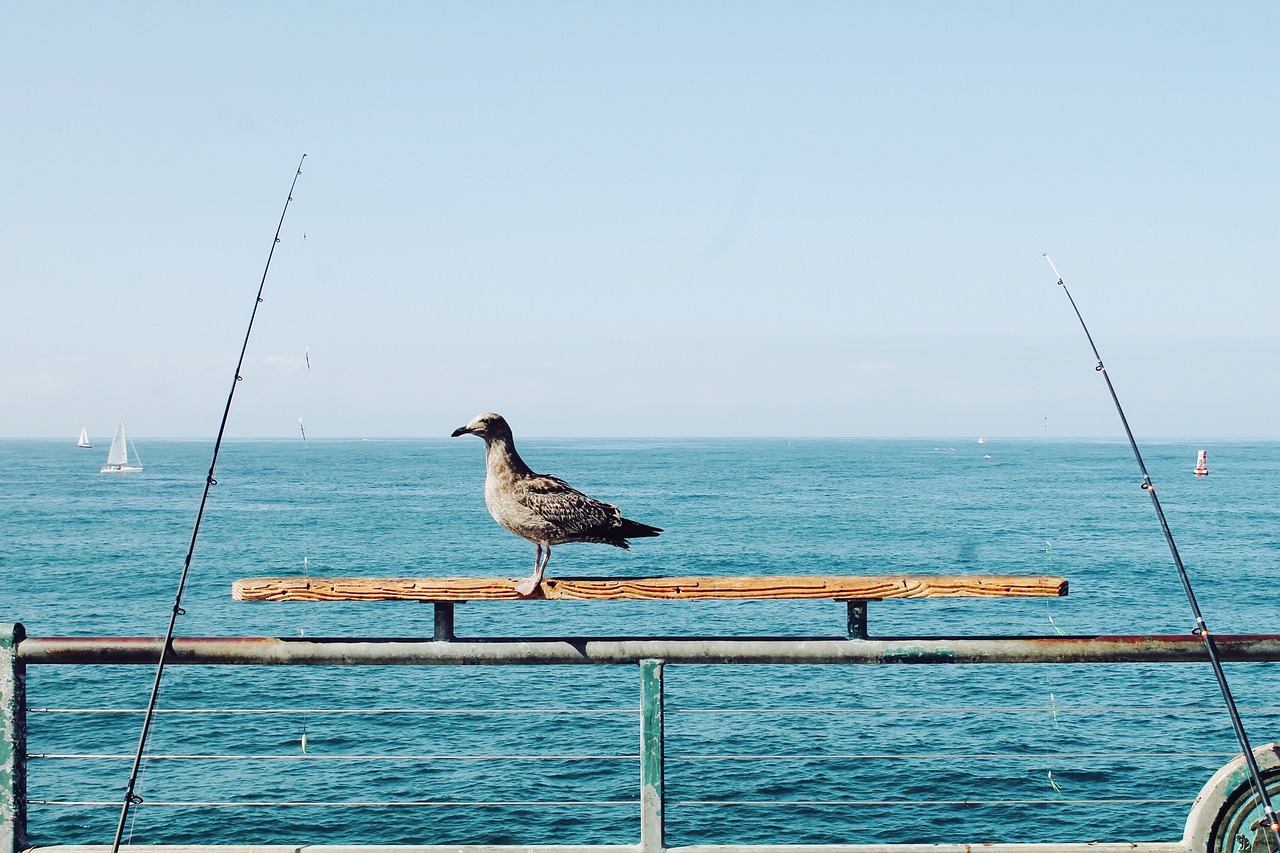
pixel 133 818
pixel 308 525
pixel 131 797
pixel 306 536
pixel 1201 630
pixel 1048 558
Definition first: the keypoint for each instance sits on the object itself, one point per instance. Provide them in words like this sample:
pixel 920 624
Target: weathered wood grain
pixel 834 587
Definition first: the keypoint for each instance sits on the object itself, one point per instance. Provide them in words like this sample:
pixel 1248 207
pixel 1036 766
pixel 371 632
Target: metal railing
pixel 651 656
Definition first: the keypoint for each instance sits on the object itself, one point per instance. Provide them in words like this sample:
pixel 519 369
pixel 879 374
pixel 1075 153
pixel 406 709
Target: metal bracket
pixel 444 622
pixel 856 623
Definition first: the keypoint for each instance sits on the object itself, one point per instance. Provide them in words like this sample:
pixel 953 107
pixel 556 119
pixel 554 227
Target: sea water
pixel 755 754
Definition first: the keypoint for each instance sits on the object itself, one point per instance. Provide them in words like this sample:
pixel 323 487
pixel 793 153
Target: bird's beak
pixel 460 431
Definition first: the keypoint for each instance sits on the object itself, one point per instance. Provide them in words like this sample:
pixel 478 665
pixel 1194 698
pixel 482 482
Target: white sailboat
pixel 84 438
pixel 118 456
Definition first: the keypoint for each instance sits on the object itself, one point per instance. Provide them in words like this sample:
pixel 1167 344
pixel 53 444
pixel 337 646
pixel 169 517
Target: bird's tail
pixel 634 529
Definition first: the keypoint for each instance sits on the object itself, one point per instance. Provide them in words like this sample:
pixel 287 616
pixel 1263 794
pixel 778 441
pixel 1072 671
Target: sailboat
pixel 1202 464
pixel 84 438
pixel 118 456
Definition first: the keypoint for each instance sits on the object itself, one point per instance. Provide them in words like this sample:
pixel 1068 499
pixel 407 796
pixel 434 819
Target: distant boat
pixel 118 456
pixel 982 441
pixel 1202 464
pixel 84 438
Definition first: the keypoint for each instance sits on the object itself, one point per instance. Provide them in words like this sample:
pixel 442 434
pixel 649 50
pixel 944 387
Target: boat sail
pixel 118 456
pixel 84 438
pixel 1202 464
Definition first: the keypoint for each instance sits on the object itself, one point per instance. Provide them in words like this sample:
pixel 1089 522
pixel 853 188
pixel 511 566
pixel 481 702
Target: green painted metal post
pixel 651 757
pixel 13 741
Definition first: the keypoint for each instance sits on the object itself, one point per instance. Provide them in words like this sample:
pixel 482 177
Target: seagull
pixel 543 509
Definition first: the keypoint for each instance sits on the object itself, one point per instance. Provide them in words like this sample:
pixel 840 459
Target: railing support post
pixel 13 741
pixel 856 622
pixel 444 622
pixel 652 796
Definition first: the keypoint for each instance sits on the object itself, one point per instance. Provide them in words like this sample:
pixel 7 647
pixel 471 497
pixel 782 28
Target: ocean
pixel 548 755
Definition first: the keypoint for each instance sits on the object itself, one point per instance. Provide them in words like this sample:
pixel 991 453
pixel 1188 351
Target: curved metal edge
pixel 1209 804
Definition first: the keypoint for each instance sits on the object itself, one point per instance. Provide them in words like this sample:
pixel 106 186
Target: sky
pixel 640 219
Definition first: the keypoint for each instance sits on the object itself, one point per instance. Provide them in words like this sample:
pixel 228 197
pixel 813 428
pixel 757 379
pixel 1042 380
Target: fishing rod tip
pixel 1052 266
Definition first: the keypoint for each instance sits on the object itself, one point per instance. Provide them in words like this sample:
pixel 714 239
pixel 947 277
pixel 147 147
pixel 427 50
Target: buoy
pixel 1202 464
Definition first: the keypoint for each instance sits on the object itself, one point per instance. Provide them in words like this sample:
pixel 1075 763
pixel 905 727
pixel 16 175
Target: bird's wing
pixel 564 506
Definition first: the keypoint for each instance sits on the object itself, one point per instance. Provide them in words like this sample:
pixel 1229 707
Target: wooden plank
pixel 834 587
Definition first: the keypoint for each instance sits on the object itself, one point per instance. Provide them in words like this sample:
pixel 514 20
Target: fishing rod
pixel 1201 630
pixel 130 797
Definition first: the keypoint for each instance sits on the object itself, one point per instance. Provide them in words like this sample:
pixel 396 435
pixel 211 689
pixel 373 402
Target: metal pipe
pixel 252 651
pixel 13 742
pixel 652 757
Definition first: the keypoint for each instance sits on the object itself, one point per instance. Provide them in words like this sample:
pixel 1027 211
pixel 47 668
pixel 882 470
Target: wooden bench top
pixel 832 587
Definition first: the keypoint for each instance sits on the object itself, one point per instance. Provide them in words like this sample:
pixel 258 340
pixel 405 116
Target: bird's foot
pixel 529 587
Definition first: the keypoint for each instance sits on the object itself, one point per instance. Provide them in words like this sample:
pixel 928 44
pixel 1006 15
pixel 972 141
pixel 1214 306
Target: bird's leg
pixel 526 587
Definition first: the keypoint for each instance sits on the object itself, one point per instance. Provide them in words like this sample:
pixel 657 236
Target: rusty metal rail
pixel 255 651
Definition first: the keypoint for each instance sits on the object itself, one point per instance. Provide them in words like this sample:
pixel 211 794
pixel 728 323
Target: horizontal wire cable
pixel 337 711
pixel 681 757
pixel 1063 802
pixel 943 756
pixel 588 711
pixel 339 757
pixel 872 756
pixel 254 804
pixel 520 803
pixel 1046 709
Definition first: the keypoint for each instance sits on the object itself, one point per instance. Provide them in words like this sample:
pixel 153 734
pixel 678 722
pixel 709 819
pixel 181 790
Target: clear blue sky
pixel 641 219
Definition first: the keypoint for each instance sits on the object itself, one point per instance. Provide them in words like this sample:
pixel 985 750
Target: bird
pixel 540 508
